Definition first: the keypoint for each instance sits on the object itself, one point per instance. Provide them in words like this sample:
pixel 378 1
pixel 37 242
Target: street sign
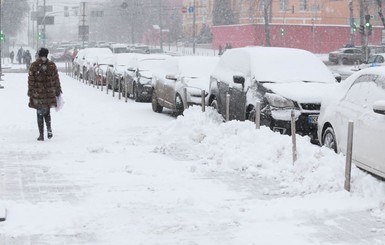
pixel 84 32
pixel 48 8
pixel 48 20
pixel 184 10
pixel 191 9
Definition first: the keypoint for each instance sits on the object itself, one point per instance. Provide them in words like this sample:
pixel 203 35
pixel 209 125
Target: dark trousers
pixel 44 114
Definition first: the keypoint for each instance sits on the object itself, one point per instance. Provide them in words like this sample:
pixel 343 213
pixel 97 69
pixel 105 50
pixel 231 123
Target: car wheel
pixel 179 107
pixel 155 105
pixel 250 115
pixel 344 61
pixel 329 139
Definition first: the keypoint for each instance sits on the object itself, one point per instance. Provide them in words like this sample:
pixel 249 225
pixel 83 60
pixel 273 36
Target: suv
pixel 281 79
pixel 347 56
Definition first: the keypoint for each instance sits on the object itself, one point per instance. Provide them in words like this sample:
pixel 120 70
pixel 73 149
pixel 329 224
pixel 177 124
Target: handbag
pixel 59 102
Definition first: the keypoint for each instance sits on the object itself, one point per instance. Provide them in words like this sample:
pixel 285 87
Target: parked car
pixel 281 79
pixel 117 48
pixel 117 70
pixel 99 69
pixel 87 57
pixel 177 73
pixel 361 99
pixel 139 75
pixel 373 60
pixel 347 56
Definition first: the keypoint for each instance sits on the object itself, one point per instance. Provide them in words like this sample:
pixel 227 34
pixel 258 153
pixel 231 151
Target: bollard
pixel 119 88
pixel 203 95
pixel 125 88
pixel 97 79
pixel 293 137
pixel 227 107
pixel 349 153
pixel 257 115
pixel 113 85
pixel 83 76
pixel 107 82
pixel 185 98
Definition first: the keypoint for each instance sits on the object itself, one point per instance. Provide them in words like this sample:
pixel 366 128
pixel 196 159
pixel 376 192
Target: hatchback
pixel 361 99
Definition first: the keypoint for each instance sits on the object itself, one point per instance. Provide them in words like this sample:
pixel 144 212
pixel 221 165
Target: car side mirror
pixel 239 79
pixel 171 77
pixel 338 77
pixel 379 107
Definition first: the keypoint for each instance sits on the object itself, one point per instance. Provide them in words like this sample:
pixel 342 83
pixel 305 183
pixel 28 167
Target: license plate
pixel 312 119
pixel 144 92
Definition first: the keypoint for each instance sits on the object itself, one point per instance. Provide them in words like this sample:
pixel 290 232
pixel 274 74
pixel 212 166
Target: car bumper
pixel 145 91
pixel 305 124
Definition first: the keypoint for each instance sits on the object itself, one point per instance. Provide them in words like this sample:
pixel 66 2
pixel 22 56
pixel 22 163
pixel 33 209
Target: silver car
pixel 178 73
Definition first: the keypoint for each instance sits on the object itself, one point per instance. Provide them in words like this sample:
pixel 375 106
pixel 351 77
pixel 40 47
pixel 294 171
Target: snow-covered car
pixel 99 69
pixel 177 73
pixel 87 57
pixel 361 99
pixel 116 71
pixel 281 79
pixel 373 60
pixel 139 75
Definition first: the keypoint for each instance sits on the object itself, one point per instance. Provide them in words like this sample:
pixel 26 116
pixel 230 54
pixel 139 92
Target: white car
pixel 118 68
pixel 361 99
pixel 281 79
pixel 177 73
pixel 87 57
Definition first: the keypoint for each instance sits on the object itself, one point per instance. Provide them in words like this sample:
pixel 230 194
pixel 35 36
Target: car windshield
pixel 146 65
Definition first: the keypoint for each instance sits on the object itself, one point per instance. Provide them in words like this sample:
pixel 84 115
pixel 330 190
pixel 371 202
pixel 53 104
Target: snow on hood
pixel 287 65
pixel 301 91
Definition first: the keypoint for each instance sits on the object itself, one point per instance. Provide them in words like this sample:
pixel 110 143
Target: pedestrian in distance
pixel 27 58
pixel 11 56
pixel 19 55
pixel 43 88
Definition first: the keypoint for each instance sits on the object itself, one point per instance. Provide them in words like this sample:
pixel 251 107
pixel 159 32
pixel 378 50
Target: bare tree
pixel 13 13
pixel 379 3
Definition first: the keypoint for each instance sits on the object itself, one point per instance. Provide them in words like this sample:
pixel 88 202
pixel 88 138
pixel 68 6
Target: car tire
pixel 179 106
pixel 155 105
pixel 329 139
pixel 344 61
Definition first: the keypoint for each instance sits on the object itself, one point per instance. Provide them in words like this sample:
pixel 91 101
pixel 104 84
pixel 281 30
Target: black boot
pixel 47 118
pixel 40 124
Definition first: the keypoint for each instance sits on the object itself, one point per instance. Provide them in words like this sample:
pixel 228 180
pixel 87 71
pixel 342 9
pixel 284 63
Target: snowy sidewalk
pixel 118 173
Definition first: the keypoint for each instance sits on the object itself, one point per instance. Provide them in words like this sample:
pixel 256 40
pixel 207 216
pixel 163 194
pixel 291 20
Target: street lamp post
pixel 1 46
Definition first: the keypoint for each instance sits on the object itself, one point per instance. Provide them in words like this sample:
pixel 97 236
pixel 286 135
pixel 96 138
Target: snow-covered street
pixel 118 173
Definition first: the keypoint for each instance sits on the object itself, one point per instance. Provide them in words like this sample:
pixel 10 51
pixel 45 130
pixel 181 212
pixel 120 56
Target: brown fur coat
pixel 43 84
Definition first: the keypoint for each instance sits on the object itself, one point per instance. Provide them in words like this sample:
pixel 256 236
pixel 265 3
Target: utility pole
pixel 83 23
pixel 44 36
pixel 194 26
pixel 1 47
pixel 351 22
pixel 160 25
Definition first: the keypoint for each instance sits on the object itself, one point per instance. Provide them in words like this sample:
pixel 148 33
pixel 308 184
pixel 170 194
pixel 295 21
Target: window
pixel 303 5
pixel 358 93
pixel 283 5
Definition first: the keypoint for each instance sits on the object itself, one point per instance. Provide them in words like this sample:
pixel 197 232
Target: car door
pixel 170 81
pixel 370 128
pixel 239 63
pixel 350 108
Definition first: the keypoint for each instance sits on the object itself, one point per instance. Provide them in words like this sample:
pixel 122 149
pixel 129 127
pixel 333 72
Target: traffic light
pixel 282 31
pixel 369 27
pixel 40 35
pixel 2 36
pixel 354 27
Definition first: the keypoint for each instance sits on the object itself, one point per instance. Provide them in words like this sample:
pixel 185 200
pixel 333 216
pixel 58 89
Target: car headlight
pixel 279 101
